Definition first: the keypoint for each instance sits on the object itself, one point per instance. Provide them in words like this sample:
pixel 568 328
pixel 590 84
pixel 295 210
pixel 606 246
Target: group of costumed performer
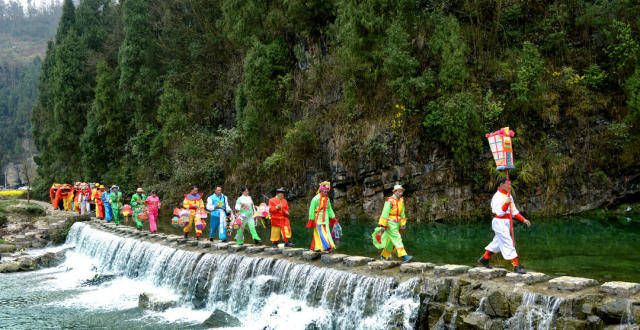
pixel 322 220
pixel 280 225
pixel 391 224
pixel 218 205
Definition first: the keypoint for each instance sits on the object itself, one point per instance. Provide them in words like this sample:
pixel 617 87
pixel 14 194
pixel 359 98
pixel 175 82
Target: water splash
pixel 261 292
pixel 535 312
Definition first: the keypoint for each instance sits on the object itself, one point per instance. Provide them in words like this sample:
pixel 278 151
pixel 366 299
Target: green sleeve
pixel 330 210
pixel 312 208
pixel 404 207
pixel 386 210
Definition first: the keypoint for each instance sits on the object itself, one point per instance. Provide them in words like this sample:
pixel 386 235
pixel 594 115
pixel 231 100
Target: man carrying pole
pixel 502 204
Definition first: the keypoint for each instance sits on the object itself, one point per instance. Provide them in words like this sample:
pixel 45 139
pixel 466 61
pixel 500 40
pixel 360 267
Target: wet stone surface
pixel 528 278
pixel 356 261
pixel 416 267
pixel 310 255
pixel 450 270
pixel 622 289
pixel 383 264
pixel 570 283
pixel 486 273
pixel 332 258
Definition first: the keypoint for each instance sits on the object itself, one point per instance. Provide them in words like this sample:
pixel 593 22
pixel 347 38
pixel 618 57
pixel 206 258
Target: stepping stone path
pixel 356 261
pixel 204 244
pixel 332 258
pixel 416 267
pixel 383 264
pixel 255 249
pixel 570 283
pixel 483 273
pixel 236 248
pixel 310 255
pixel 623 289
pixel 292 252
pixel 272 250
pixel 528 278
pixel 450 270
pixel 220 246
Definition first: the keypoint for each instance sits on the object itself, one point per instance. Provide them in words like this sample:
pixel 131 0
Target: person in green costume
pixel 137 204
pixel 392 222
pixel 245 208
pixel 115 199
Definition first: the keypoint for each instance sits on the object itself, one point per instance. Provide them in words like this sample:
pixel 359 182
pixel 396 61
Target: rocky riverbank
pixel 31 225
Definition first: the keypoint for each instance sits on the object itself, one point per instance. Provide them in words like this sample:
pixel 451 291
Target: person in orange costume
pixel 280 226
pixel 193 202
pixel 97 198
pixel 53 196
pixel 76 198
pixel 66 195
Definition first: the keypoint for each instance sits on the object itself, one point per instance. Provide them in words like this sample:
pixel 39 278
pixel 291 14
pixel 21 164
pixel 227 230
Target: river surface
pixel 595 247
pixel 264 293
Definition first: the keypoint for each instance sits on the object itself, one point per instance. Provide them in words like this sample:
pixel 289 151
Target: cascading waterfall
pixel 535 312
pixel 255 288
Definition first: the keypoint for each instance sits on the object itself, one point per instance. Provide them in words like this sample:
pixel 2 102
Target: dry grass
pixel 12 193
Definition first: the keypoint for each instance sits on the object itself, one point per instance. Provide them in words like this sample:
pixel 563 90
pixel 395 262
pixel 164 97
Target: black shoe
pixel 484 262
pixel 257 242
pixel 274 245
pixel 289 244
pixel 224 241
pixel 186 235
pixel 519 270
pixel 210 239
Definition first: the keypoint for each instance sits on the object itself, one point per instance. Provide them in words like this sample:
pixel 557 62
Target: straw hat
pixel 398 187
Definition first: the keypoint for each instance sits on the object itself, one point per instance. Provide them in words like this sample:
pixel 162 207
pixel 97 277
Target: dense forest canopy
pixel 166 94
pixel 24 33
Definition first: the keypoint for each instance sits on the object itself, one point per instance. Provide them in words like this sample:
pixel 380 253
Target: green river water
pixel 594 246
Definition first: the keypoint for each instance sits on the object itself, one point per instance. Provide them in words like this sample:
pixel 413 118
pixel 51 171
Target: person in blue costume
pixel 218 205
pixel 108 213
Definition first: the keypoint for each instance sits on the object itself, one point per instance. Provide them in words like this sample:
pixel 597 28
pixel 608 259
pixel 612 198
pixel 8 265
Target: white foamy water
pixel 261 292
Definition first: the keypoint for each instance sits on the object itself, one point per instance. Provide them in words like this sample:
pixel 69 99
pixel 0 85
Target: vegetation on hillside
pixel 166 94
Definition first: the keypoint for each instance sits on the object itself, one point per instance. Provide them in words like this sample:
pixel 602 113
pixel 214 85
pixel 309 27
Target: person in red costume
pixel 504 209
pixel 53 195
pixel 280 226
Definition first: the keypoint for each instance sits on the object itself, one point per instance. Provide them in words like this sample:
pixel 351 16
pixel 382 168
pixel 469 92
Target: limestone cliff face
pixel 437 191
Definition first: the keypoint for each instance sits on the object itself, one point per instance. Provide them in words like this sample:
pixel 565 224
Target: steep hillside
pixel 167 94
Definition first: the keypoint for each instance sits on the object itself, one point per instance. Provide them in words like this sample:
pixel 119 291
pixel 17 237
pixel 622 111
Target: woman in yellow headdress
pixel 320 216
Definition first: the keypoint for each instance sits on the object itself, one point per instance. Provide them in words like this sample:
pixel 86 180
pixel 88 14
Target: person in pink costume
pixel 153 205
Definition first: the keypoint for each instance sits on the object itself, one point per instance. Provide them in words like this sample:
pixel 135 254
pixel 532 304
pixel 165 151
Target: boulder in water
pixel 7 248
pixel 220 319
pixel 98 279
pixel 154 302
pixel 9 267
pixel 26 263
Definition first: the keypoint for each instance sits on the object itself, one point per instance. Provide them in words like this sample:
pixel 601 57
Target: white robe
pixel 502 240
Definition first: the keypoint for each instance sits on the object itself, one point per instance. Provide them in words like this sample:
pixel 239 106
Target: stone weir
pixel 353 292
